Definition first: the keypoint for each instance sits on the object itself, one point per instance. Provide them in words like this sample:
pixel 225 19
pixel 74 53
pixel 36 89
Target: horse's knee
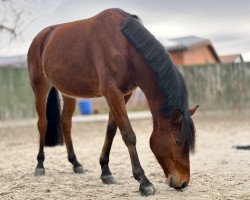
pixel 129 138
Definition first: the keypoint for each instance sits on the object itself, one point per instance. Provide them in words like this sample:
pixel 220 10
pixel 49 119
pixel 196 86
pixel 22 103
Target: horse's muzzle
pixel 172 183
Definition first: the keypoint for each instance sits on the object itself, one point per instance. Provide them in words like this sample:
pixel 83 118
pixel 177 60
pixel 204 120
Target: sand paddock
pixel 218 171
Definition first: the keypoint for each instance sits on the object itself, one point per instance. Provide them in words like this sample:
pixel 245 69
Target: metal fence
pixel 220 86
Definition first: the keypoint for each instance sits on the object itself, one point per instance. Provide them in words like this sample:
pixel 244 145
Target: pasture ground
pixel 218 171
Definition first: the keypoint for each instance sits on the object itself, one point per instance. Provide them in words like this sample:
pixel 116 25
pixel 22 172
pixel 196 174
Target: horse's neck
pixel 147 82
pixel 154 97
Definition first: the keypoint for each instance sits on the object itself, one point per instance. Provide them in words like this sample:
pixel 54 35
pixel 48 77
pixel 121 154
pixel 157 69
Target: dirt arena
pixel 218 171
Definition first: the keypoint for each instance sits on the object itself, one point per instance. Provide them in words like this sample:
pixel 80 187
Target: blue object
pixel 85 107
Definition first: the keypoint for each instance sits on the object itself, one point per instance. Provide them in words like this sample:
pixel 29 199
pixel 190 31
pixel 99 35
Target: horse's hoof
pixel 78 170
pixel 147 189
pixel 39 172
pixel 108 179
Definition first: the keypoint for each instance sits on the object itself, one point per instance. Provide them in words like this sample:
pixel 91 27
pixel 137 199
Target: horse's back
pixel 80 58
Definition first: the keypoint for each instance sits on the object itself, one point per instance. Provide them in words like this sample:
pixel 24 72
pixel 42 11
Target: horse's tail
pixel 54 134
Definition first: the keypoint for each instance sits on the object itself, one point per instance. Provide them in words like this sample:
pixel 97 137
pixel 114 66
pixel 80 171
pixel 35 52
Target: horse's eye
pixel 178 142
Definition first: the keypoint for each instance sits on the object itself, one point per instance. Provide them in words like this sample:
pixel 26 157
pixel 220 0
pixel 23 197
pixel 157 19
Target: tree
pixel 12 18
pixel 16 16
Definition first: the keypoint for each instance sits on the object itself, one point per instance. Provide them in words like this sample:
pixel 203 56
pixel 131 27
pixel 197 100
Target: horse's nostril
pixel 184 185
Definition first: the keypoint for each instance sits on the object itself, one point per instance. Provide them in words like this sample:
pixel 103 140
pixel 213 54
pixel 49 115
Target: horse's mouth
pixel 172 185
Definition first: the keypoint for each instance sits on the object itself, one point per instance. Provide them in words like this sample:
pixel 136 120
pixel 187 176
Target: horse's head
pixel 171 142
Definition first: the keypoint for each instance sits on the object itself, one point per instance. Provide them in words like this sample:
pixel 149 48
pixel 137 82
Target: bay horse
pixel 110 54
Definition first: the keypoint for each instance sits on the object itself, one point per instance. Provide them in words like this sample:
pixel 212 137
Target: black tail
pixel 54 134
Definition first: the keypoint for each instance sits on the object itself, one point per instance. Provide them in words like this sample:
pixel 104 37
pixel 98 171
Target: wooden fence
pixel 16 97
pixel 220 86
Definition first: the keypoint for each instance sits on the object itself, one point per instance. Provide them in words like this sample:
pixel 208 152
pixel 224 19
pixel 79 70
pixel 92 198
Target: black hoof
pixel 39 172
pixel 147 189
pixel 108 179
pixel 78 170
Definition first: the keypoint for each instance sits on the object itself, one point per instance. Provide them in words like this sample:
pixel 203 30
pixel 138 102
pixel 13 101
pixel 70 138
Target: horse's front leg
pixel 118 110
pixel 69 105
pixel 106 175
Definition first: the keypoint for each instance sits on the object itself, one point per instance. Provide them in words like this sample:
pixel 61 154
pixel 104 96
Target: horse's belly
pixel 85 91
pixel 75 82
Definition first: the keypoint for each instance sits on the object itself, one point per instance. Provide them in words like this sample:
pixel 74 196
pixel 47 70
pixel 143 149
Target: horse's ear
pixel 192 110
pixel 176 117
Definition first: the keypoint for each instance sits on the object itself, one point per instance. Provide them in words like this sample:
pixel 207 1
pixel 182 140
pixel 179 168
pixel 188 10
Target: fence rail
pixel 220 86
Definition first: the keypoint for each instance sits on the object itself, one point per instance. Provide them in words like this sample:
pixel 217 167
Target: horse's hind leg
pixel 118 111
pixel 41 93
pixel 106 175
pixel 66 120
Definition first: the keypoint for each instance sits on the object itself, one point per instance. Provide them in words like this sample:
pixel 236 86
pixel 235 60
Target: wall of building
pixel 194 56
pixel 199 55
pixel 177 57
pixel 220 86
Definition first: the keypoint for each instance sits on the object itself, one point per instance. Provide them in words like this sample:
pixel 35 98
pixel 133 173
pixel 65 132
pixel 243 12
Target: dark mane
pixel 168 77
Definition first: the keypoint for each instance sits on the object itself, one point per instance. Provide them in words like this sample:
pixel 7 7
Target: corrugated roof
pixel 183 43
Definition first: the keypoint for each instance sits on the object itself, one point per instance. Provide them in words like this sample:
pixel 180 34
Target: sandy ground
pixel 218 171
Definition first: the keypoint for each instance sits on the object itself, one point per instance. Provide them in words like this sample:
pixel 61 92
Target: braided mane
pixel 167 75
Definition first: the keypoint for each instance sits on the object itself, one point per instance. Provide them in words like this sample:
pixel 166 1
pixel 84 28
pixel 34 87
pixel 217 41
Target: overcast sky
pixel 225 22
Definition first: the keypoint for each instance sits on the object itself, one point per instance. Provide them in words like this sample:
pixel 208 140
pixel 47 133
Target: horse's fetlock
pixel 40 157
pixel 104 161
pixel 138 174
pixel 72 158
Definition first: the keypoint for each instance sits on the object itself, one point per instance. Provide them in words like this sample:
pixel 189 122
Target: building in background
pixel 235 58
pixel 192 50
